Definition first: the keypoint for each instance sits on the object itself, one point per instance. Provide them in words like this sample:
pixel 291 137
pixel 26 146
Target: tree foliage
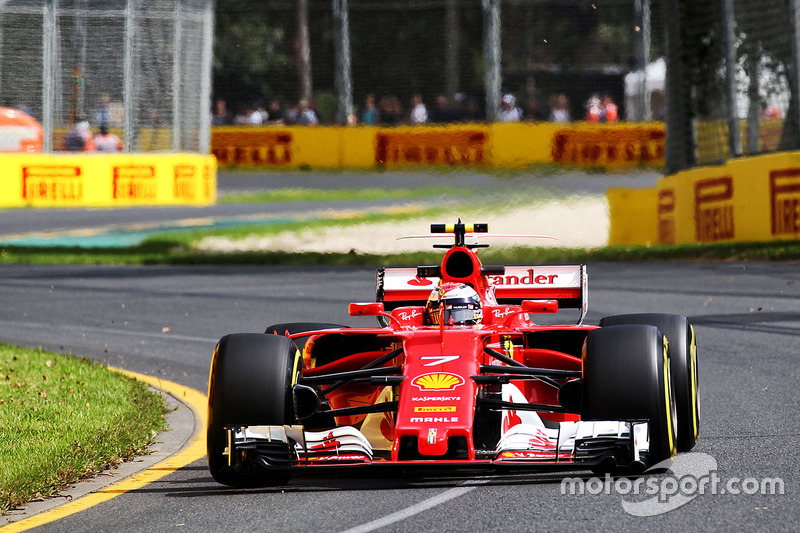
pixel 400 47
pixel 250 51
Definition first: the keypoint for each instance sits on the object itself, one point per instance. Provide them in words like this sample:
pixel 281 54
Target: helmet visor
pixel 462 314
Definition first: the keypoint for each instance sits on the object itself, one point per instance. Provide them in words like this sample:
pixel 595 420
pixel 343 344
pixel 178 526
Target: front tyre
pixel 626 377
pixel 683 368
pixel 249 384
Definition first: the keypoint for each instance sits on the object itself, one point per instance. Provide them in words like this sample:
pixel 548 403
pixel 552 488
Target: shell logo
pixel 438 381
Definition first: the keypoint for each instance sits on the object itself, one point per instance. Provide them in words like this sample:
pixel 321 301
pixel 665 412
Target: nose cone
pixel 437 398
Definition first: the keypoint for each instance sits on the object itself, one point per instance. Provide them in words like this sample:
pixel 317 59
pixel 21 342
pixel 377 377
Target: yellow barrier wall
pixel 631 211
pixel 107 180
pixel 474 144
pixel 456 145
pixel 751 199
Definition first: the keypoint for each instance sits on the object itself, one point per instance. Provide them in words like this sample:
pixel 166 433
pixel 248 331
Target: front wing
pixel 571 444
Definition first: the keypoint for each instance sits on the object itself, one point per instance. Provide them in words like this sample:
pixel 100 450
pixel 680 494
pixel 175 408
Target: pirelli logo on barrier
pixel 252 148
pixel 134 183
pixel 611 145
pixel 52 183
pixel 185 182
pixel 784 195
pixel 713 216
pixel 666 216
pixel 426 147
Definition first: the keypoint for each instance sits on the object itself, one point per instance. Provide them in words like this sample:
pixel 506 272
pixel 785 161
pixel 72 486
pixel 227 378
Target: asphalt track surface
pixel 748 326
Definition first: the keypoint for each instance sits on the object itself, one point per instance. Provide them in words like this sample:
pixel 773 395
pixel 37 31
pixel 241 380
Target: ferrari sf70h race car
pixel 456 374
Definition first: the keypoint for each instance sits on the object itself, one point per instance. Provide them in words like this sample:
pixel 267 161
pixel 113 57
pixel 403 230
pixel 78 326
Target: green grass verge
pixel 345 195
pixel 63 419
pixel 187 237
pixel 175 253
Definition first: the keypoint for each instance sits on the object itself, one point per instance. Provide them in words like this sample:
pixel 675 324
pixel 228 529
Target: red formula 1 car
pixel 458 375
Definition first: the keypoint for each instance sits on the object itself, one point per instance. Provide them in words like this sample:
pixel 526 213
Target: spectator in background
pixel 474 111
pixel 369 116
pixel 255 115
pixel 594 109
pixel 258 107
pixel 537 111
pixel 25 109
pixel 221 116
pixel 559 111
pixel 275 115
pixel 658 104
pixel 304 115
pixel 79 137
pixel 419 114
pixel 243 116
pixel 770 112
pixel 390 112
pixel 103 115
pixel 459 111
pixel 510 112
pixel 610 111
pixel 441 110
pixel 107 142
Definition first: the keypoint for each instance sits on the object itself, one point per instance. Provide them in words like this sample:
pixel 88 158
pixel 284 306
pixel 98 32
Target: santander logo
pixel 420 282
pixel 528 277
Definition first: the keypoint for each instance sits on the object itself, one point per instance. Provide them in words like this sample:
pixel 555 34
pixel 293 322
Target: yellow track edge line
pixel 193 450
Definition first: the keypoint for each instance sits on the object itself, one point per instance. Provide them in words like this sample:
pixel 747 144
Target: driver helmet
pixel 459 303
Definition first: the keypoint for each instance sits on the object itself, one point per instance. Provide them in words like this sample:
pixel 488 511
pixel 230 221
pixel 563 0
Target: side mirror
pixel 366 309
pixel 540 306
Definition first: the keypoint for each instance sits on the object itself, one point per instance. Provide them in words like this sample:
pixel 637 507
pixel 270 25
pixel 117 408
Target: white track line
pixel 416 509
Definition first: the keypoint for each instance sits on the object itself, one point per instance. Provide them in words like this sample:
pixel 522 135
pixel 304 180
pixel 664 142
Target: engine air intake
pixel 459 265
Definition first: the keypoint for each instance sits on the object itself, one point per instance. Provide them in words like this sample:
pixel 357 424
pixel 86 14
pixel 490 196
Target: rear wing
pixel 399 287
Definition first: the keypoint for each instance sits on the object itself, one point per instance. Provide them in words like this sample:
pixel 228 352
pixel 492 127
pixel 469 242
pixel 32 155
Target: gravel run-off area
pixel 576 222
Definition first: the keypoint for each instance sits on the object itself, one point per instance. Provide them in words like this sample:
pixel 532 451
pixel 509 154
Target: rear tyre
pixel 626 377
pixel 682 365
pixel 299 327
pixel 249 384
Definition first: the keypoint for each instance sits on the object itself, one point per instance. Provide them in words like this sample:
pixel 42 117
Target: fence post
pixel 491 58
pixel 48 70
pixel 342 77
pixel 177 46
pixel 729 40
pixel 204 137
pixel 80 28
pixel 794 20
pixel 304 51
pixel 680 140
pixel 127 77
pixel 2 6
pixel 642 14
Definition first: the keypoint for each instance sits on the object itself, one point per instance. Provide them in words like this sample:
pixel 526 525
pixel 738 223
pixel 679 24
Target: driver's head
pixel 460 304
